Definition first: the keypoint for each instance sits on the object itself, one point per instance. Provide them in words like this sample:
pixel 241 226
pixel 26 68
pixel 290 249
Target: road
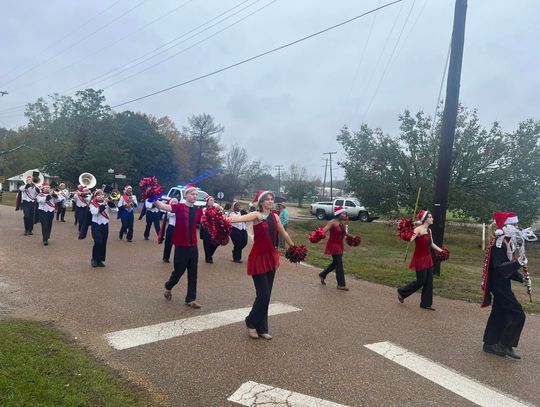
pixel 356 348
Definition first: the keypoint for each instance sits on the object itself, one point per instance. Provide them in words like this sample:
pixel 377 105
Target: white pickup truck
pixel 325 210
pixel 178 193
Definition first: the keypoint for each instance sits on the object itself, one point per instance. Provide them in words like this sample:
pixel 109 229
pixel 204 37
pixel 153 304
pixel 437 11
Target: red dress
pixel 264 256
pixel 334 245
pixel 421 259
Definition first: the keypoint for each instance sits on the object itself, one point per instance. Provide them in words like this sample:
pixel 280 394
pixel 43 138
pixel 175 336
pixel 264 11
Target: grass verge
pixel 9 198
pixel 40 367
pixel 380 259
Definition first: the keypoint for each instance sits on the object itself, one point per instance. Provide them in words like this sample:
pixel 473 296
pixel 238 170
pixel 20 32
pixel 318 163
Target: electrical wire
pixel 257 56
pixel 440 89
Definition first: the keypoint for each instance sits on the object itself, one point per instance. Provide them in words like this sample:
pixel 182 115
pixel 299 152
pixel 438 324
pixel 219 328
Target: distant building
pixel 17 180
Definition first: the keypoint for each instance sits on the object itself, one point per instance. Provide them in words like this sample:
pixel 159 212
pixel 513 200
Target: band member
pixel 152 218
pixel 422 262
pixel 263 260
pixel 507 318
pixel 61 202
pixel 239 234
pixel 99 208
pixel 45 211
pixel 166 234
pixel 82 198
pixel 334 247
pixel 126 213
pixel 209 245
pixel 28 194
pixel 184 239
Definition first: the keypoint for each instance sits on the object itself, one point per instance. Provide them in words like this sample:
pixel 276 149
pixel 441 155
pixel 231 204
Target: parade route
pixel 330 348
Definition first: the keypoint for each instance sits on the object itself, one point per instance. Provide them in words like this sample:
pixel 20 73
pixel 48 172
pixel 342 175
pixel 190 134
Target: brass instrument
pixel 114 195
pixel 37 177
pixel 87 180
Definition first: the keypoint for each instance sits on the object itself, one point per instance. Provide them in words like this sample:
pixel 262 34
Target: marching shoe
pixel 400 298
pixel 322 279
pixel 430 308
pixel 45 243
pixel 30 233
pixel 193 304
pixel 93 263
pixel 25 233
pixel 494 349
pixel 510 352
pixel 145 238
pixel 100 264
pixel 166 260
pixel 342 288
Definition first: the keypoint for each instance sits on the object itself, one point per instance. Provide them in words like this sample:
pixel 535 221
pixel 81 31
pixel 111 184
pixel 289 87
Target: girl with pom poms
pixel 422 262
pixel 209 245
pixel 334 247
pixel 263 260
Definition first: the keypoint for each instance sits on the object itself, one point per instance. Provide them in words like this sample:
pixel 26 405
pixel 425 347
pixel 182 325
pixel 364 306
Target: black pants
pixel 168 242
pixel 28 215
pixel 84 222
pixel 100 234
pixel 127 225
pixel 60 212
pixel 337 264
pixel 46 220
pixel 424 280
pixel 151 218
pixel 258 317
pixel 185 258
pixel 208 244
pixel 505 322
pixel 239 239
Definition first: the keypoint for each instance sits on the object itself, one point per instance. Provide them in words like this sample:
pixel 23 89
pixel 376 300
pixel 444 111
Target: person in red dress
pixel 263 260
pixel 422 262
pixel 334 247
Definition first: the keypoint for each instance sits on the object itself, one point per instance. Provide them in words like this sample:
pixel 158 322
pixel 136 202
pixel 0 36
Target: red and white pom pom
pixel 296 254
pixel 444 255
pixel 317 235
pixel 354 241
pixel 150 188
pixel 405 229
pixel 217 226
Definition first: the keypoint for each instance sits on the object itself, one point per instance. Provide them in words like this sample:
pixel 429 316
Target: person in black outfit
pixel 506 321
pixel 239 234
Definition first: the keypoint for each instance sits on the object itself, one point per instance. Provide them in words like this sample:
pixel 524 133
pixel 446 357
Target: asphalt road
pixel 318 351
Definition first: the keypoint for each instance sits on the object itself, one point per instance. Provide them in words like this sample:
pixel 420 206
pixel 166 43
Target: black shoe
pixel 494 349
pixel 62 220
pixel 129 240
pixel 93 263
pixel 400 297
pixel 45 243
pixel 145 238
pixel 237 261
pixel 30 233
pixel 120 236
pixel 509 351
pixel 100 264
pixel 430 308
pixel 210 261
pixel 322 279
pixel 166 260
pixel 25 233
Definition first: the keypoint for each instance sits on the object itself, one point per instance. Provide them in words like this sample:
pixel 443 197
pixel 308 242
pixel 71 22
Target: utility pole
pixel 448 128
pixel 331 190
pixel 278 168
pixel 324 182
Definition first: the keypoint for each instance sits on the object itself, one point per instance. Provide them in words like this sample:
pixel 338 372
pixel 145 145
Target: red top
pixel 421 259
pixel 264 256
pixel 334 245
pixel 182 235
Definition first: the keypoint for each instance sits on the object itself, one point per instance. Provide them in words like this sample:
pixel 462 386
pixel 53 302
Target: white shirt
pixel 122 202
pixel 80 201
pixel 150 206
pixel 171 218
pixel 237 225
pixel 43 204
pixel 28 195
pixel 97 216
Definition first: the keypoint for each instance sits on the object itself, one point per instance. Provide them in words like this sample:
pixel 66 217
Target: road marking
pixel 130 338
pixel 256 394
pixel 449 379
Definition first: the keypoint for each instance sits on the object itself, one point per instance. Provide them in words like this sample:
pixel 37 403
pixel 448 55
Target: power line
pixel 440 89
pixel 257 56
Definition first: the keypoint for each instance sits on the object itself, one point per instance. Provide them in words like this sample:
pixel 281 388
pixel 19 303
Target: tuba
pixel 37 177
pixel 87 180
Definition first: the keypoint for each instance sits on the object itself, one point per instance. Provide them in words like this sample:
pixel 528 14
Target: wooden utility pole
pixel 448 128
pixel 324 182
pixel 278 168
pixel 330 163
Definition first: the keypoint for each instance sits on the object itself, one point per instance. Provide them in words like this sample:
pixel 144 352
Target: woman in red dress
pixel 263 259
pixel 422 263
pixel 334 247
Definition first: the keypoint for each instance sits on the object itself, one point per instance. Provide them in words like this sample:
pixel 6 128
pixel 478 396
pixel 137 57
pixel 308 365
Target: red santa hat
pixel 422 215
pixel 81 188
pixel 504 218
pixel 189 187
pixel 45 185
pixel 208 197
pixel 97 191
pixel 127 187
pixel 29 177
pixel 338 210
pixel 261 193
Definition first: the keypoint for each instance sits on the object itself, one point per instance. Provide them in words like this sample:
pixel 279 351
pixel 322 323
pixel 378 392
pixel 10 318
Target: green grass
pixel 379 259
pixel 40 367
pixel 8 198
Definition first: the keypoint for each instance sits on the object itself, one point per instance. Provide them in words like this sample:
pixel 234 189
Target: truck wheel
pixel 363 217
pixel 320 214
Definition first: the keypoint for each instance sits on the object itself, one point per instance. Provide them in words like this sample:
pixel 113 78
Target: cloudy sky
pixel 286 107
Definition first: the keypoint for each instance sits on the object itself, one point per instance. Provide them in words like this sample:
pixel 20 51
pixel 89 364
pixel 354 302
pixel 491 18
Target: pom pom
pixel 217 226
pixel 405 229
pixel 150 188
pixel 296 254
pixel 444 255
pixel 354 241
pixel 317 235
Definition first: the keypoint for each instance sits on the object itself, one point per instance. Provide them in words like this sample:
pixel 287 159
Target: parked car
pixel 178 193
pixel 355 210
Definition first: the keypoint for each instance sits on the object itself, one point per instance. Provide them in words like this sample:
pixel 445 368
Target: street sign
pixel 120 176
pixel 220 195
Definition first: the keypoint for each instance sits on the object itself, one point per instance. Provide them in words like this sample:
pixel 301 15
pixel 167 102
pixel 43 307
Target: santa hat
pixel 504 218
pixel 260 194
pixel 338 210
pixel 422 215
pixel 189 187
pixel 208 197
pixel 81 188
pixel 45 185
pixel 172 201
pixel 29 177
pixel 127 187
pixel 97 191
pixel 234 203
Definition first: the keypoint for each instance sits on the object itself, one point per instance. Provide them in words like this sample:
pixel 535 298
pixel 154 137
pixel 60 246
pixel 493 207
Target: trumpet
pixel 114 195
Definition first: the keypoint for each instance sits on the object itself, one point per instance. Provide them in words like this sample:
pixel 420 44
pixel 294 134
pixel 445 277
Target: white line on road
pixel 256 394
pixel 130 338
pixel 445 377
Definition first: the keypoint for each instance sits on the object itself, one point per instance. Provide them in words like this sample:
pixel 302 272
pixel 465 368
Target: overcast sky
pixel 286 107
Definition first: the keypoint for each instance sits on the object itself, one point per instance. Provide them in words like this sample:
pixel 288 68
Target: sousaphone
pixel 87 180
pixel 37 177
